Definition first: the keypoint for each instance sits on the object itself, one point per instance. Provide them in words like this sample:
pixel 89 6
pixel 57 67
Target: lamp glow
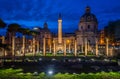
pixel 50 72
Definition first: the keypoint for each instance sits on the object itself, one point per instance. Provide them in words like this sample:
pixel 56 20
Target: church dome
pixel 88 16
pixel 45 27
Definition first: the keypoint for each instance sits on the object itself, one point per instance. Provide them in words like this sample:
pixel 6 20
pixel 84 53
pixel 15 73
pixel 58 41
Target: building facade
pixel 87 29
pixel 83 40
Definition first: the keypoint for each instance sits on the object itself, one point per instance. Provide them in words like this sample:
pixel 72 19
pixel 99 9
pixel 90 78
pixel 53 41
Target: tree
pixel 13 28
pixel 2 24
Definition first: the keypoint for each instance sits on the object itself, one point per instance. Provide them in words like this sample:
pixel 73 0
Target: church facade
pixel 87 30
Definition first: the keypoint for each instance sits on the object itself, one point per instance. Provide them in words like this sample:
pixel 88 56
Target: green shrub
pixel 18 74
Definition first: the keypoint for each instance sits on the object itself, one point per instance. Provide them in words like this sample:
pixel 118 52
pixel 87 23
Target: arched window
pixel 81 27
pixel 88 26
pixel 88 18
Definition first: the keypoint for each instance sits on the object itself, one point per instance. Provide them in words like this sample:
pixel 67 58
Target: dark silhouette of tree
pixel 2 24
pixel 13 28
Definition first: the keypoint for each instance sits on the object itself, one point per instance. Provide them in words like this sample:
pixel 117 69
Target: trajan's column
pixel 60 46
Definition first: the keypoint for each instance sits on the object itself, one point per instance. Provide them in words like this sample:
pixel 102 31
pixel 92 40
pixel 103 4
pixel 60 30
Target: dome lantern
pixel 87 9
pixel 45 25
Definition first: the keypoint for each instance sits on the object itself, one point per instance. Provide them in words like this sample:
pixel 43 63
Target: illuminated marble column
pixel 75 51
pixel 64 47
pixel 13 47
pixel 69 47
pixel 85 46
pixel 88 46
pixel 34 53
pixel 54 48
pixel 111 52
pixel 23 46
pixel 59 29
pixel 44 47
pixel 96 47
pixel 31 46
pixel 3 39
pixel 107 47
pixel 3 42
pixel 82 47
pixel 38 46
pixel 50 48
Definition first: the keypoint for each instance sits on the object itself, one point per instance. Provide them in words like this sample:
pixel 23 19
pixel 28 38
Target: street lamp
pixel 50 72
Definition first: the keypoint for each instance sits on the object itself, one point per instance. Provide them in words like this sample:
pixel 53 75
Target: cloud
pixel 35 12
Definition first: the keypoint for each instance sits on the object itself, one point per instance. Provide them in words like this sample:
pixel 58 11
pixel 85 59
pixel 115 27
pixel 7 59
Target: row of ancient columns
pixel 75 47
pixel 96 47
pixel 3 42
pixel 54 47
pixel 35 46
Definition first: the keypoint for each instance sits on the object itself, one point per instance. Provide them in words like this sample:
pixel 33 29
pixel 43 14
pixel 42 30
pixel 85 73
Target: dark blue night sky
pixel 30 13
